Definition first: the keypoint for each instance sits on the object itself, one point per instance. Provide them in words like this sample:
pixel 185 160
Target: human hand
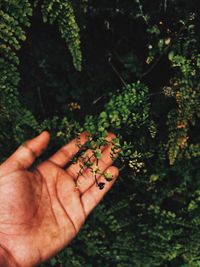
pixel 40 209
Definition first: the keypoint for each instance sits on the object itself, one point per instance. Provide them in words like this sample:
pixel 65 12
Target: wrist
pixel 6 259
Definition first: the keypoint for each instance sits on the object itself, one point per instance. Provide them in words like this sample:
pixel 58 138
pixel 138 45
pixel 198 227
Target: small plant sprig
pixel 95 143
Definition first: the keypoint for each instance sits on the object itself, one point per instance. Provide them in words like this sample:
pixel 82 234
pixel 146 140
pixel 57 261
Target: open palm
pixel 41 210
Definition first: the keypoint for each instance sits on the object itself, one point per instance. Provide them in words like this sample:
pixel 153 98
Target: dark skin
pixel 41 210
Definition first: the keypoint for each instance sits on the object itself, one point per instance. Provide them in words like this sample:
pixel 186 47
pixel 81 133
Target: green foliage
pixel 16 120
pixel 126 108
pixel 188 106
pixel 14 16
pixel 63 13
pixel 151 218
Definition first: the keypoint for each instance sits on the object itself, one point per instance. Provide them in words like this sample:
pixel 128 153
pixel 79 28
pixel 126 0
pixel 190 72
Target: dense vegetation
pixel 131 67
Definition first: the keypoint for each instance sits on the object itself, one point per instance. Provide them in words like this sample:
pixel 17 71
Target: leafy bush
pixel 150 51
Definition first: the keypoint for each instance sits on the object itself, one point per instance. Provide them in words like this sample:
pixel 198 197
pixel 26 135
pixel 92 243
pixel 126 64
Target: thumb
pixel 26 154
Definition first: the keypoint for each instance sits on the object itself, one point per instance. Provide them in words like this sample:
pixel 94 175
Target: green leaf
pixel 97 154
